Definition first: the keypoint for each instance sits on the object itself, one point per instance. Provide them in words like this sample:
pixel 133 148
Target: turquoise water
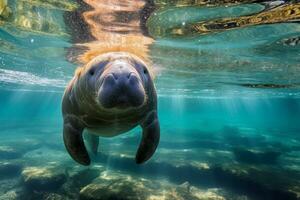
pixel 228 104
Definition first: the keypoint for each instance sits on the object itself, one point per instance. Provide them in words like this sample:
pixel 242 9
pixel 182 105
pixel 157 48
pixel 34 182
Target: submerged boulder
pixel 81 176
pixel 9 169
pixel 43 178
pixel 115 185
pixel 53 196
pixel 8 152
pixel 10 195
pixel 187 191
pixel 78 177
pixel 43 195
pixel 256 156
pixel 293 41
pixel 9 188
pixel 16 149
pixel 125 189
pixel 26 145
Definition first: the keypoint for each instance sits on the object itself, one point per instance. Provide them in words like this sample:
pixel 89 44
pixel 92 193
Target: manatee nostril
pixel 109 80
pixel 132 78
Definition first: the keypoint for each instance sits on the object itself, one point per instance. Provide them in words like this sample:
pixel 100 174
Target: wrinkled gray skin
pixel 109 96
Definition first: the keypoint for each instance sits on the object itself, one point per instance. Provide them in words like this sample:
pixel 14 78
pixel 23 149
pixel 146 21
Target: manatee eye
pixel 97 66
pixel 92 72
pixel 145 71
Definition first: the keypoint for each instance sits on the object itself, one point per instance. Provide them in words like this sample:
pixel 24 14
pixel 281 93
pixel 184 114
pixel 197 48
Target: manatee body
pixel 110 95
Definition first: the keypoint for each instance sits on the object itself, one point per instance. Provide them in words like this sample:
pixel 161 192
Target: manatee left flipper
pixel 150 138
pixel 72 133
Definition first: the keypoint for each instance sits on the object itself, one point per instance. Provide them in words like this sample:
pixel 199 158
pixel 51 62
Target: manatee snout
pixel 121 87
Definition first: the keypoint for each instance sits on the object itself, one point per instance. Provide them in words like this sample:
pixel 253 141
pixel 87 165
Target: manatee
pixel 110 95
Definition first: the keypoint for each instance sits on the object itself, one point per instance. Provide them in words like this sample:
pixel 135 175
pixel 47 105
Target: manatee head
pixel 118 81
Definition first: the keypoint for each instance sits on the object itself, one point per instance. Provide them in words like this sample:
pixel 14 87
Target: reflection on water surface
pixel 198 48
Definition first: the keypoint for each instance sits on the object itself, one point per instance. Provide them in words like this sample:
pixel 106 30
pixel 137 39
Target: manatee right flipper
pixel 73 140
pixel 150 138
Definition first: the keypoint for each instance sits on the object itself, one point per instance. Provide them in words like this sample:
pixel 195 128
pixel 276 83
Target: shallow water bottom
pixel 35 165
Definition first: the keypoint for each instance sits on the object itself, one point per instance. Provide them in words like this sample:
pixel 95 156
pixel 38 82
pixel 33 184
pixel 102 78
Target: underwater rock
pixel 114 185
pixel 9 169
pixel 81 176
pixel 293 41
pixel 114 189
pixel 53 196
pixel 37 195
pixel 27 144
pixel 78 177
pixel 7 152
pixel 43 179
pixel 10 195
pixel 186 191
pixel 255 156
pixel 236 178
pixel 233 136
pixel 9 188
pixel 266 85
pixel 16 149
pixel 261 182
